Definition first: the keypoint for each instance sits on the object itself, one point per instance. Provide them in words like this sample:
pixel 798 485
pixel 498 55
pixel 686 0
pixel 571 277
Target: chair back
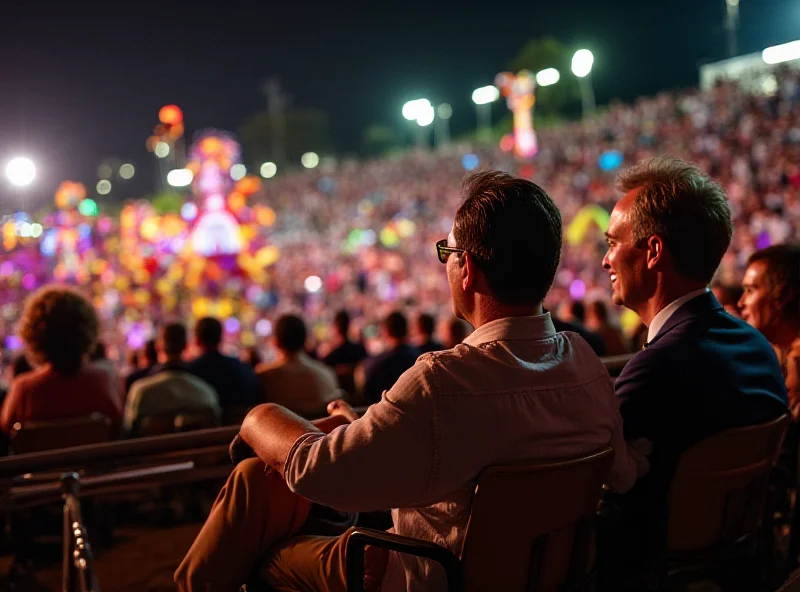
pixel 530 526
pixel 720 485
pixel 177 421
pixel 37 436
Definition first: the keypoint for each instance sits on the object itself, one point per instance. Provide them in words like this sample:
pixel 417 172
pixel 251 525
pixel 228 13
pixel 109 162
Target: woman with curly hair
pixel 59 328
pixel 771 304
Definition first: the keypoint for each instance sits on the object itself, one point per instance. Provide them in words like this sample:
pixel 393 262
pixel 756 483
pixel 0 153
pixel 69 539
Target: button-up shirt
pixel 665 313
pixel 513 391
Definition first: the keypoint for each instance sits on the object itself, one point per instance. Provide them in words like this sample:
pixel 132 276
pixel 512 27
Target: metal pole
pixel 484 120
pixel 587 95
pixel 732 27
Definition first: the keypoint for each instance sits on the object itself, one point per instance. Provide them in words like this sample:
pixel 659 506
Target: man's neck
pixel 394 343
pixel 665 294
pixel 491 310
pixel 287 356
pixel 173 361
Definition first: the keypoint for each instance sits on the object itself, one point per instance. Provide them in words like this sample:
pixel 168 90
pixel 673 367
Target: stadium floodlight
pixel 778 54
pixel 20 171
pixel 485 95
pixel 413 109
pixel 582 63
pixel 547 77
pixel 425 115
pixel 180 177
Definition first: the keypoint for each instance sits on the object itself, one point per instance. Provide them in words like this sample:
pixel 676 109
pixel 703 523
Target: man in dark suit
pixel 382 371
pixel 234 381
pixel 701 371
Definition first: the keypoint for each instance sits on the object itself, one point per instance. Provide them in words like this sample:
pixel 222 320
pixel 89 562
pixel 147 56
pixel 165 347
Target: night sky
pixel 85 82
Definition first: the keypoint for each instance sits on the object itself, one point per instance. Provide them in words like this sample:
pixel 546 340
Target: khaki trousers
pixel 252 530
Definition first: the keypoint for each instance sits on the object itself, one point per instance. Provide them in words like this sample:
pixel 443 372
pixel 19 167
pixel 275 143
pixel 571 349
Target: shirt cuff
pixel 300 442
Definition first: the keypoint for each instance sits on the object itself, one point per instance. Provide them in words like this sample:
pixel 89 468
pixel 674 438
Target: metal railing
pixel 77 570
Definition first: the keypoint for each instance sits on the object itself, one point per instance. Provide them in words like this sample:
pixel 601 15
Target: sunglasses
pixel 443 251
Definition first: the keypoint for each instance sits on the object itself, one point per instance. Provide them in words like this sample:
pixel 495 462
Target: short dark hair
pixel 683 206
pixel 782 277
pixel 208 332
pixel 98 352
pixel 173 338
pixel 291 333
pixel 458 330
pixel 578 310
pixel 150 351
pixel 513 230
pixel 396 325
pixel 599 309
pixel 342 322
pixel 426 324
pixel 59 326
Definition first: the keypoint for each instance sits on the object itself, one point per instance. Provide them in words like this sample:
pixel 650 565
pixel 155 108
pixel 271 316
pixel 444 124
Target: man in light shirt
pixel 173 389
pixel 294 380
pixel 701 370
pixel 515 390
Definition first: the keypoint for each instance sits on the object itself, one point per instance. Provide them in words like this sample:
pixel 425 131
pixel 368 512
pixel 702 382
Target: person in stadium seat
pixel 173 388
pixel 573 320
pixel 456 331
pixel 345 354
pixel 150 354
pixel 383 370
pixel 514 391
pixel 234 381
pixel 771 303
pixel 701 371
pixel 424 328
pixel 59 328
pixel 294 380
pixel 597 321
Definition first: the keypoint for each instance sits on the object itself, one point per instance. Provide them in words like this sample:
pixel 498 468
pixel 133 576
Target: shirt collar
pixel 665 313
pixel 511 328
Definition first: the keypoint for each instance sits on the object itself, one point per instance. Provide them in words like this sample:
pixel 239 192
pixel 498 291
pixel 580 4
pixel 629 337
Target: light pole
pixel 582 63
pixel 441 129
pixel 732 26
pixel 421 111
pixel 483 98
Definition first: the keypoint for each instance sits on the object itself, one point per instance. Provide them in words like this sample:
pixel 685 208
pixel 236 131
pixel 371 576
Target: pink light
pixel 29 281
pixel 6 269
pixel 577 289
pixel 231 325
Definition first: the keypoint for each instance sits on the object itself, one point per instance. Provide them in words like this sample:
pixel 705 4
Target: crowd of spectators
pixel 367 229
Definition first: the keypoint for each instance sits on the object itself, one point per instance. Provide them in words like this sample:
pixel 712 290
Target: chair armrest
pixel 361 537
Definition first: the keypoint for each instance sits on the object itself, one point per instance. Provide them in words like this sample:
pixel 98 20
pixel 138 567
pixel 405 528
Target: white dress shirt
pixel 514 391
pixel 665 313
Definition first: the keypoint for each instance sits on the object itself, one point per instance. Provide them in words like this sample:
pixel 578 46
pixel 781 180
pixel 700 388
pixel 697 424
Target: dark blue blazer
pixel 704 372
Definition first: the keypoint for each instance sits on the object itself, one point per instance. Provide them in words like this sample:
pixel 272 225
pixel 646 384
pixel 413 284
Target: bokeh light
pixel 188 211
pixel 88 207
pixel 309 160
pixel 313 284
pixel 268 170
pixel 104 187
pixel 180 177
pixel 20 171
pixel 126 171
pixel 470 162
pixel 161 149
pixel 238 171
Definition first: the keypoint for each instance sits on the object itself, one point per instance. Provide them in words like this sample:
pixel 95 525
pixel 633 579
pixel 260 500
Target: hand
pixel 240 450
pixel 343 408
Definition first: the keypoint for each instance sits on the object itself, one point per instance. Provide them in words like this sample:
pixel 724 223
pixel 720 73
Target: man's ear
pixel 655 251
pixel 468 270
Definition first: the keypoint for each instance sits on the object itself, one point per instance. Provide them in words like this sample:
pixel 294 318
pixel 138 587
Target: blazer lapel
pixel 696 307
